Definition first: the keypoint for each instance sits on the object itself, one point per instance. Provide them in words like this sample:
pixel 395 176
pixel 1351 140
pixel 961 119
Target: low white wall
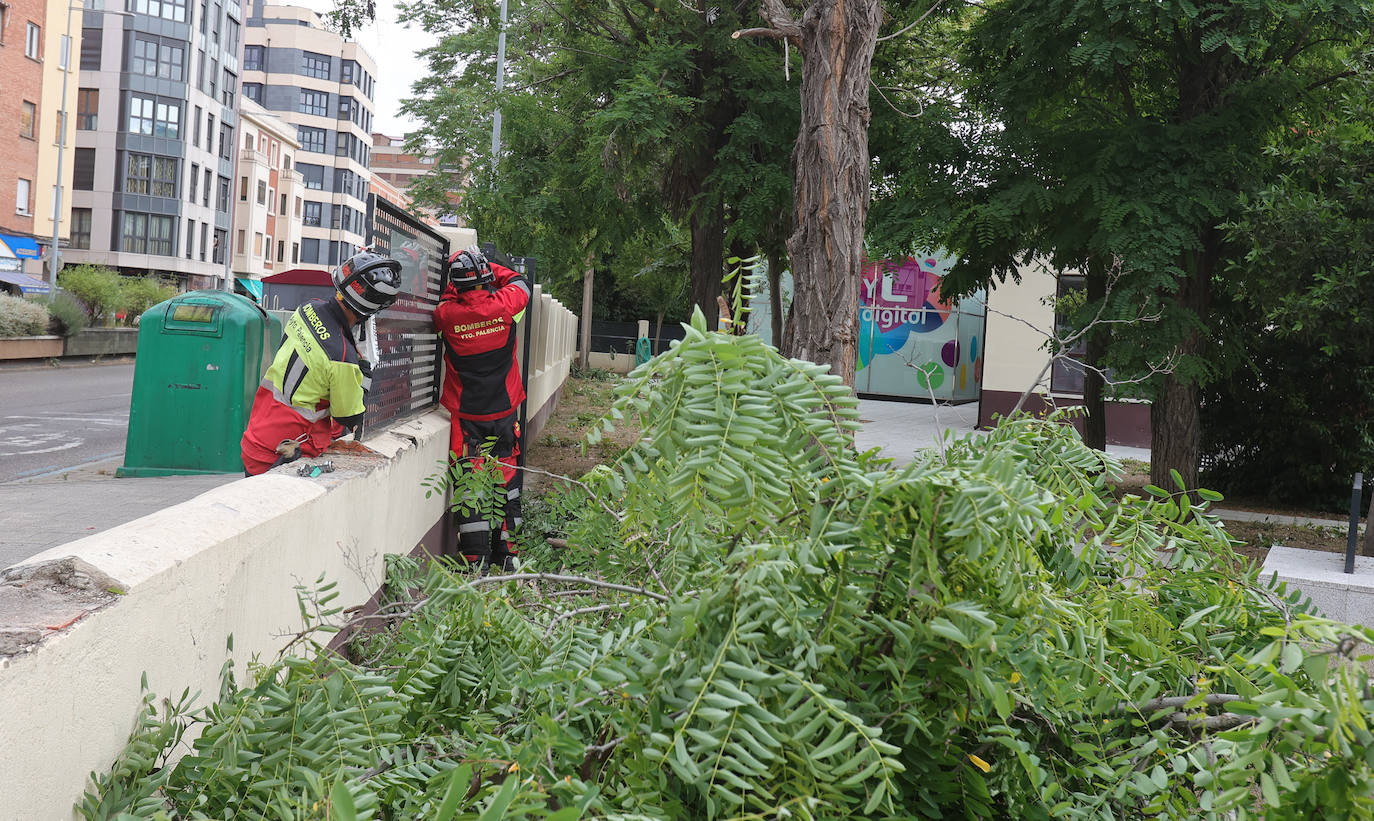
pixel 1321 576
pixel 224 563
pixel 552 348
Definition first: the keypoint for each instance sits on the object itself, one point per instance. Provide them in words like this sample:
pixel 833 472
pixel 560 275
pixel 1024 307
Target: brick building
pixel 22 52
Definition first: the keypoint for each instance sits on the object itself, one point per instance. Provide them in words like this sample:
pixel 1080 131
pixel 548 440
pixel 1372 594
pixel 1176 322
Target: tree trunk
pixel 1094 385
pixel 1175 433
pixel 830 167
pixel 588 276
pixel 1175 418
pixel 708 255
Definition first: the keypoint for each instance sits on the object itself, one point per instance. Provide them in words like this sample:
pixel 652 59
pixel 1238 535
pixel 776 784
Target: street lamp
pixel 62 138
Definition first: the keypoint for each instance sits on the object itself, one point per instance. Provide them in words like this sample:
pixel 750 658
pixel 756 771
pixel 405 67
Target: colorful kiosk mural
pixel 912 344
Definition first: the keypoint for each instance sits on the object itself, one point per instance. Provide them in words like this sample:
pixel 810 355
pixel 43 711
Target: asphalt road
pixel 56 418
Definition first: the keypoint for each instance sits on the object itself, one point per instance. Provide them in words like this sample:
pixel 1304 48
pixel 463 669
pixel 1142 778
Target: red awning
pixel 300 276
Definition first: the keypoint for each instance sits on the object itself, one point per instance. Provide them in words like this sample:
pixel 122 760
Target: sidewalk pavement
pixel 54 509
pixel 900 428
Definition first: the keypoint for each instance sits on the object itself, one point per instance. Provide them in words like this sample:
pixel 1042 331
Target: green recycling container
pixel 200 358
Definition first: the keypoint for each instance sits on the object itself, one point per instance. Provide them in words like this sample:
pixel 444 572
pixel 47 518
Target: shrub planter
pixel 30 347
pixel 102 342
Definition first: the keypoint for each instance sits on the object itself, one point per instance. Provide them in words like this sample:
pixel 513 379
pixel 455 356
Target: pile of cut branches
pixel 752 620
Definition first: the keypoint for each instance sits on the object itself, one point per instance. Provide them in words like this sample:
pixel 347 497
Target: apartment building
pixel 270 191
pixel 55 148
pixel 156 125
pixel 323 85
pixel 23 53
pixel 391 163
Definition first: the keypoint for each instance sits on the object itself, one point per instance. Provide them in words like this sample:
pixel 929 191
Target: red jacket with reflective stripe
pixel 481 371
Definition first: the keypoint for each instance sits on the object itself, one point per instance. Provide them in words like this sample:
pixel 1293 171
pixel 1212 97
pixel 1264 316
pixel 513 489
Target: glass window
pixel 314 102
pixel 141 114
pixel 253 91
pixel 295 253
pixel 138 171
pixel 83 169
pixel 143 57
pixel 347 70
pixel 166 9
pixel 194 180
pixel 252 58
pixel 228 87
pixel 190 238
pixel 231 35
pixel 226 141
pixel 171 62
pixel 312 214
pixel 221 240
pixel 223 203
pixel 134 233
pixel 205 194
pixel 168 122
pixel 262 192
pixel 310 251
pixel 33 43
pixel 21 197
pixel 281 250
pixel 313 174
pixel 81 228
pixel 204 226
pixel 91 44
pixel 311 139
pixel 28 114
pixel 164 177
pixel 87 106
pixel 243 189
pixel 1066 375
pixel 161 238
pixel 315 65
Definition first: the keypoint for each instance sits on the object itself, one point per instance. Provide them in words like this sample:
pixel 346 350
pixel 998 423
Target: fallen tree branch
pixel 555 577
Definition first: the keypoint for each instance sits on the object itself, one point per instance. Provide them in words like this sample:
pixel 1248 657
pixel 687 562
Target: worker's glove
pixel 366 368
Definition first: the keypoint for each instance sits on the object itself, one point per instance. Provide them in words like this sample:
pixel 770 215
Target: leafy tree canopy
pixel 1295 422
pixel 1092 131
pixel 613 116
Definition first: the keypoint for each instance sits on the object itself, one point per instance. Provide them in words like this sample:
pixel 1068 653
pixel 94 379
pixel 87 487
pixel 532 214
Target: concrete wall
pixel 1321 576
pixel 102 342
pixel 224 563
pixel 30 347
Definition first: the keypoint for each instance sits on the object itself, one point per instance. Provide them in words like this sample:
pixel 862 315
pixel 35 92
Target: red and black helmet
pixel 468 268
pixel 368 282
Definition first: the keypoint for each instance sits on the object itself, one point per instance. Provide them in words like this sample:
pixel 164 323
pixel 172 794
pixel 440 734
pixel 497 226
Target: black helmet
pixel 468 268
pixel 368 282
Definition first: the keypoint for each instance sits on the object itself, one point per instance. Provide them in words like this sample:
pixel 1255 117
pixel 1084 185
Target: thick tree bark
pixel 830 167
pixel 1175 433
pixel 708 256
pixel 1176 418
pixel 585 341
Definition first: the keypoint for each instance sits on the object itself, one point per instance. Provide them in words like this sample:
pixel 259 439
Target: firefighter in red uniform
pixel 317 384
pixel 482 387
